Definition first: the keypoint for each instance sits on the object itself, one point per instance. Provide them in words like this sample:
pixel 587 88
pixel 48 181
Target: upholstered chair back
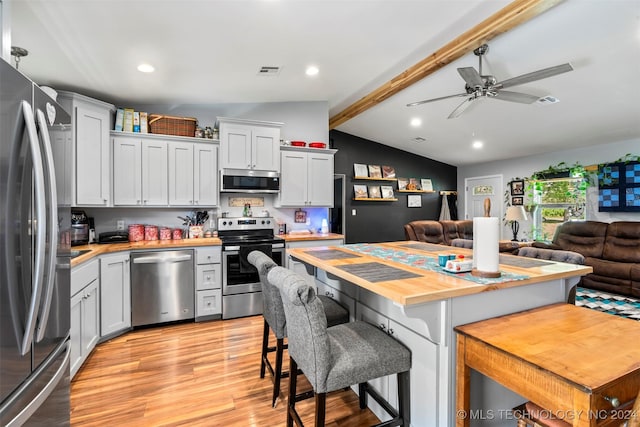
pixel 271 302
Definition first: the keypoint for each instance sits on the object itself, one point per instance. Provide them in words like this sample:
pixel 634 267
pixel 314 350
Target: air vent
pixel 545 100
pixel 419 139
pixel 268 71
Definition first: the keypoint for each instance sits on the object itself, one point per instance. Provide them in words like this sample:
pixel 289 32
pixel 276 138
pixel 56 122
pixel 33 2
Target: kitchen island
pixel 400 287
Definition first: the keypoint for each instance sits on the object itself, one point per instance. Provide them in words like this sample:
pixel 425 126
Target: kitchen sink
pixel 78 253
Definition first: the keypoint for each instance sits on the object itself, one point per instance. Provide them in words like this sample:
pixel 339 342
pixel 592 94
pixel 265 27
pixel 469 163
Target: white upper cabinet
pixel 91 121
pixel 161 170
pixel 192 174
pixel 249 144
pixel 306 177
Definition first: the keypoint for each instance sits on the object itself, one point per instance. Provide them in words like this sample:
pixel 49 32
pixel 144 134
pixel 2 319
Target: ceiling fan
pixel 486 86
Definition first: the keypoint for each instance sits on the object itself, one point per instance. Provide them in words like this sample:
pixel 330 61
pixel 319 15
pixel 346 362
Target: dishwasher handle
pixel 158 259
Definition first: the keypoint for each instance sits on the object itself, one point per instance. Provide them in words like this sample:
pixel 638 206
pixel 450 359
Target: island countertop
pixel 430 284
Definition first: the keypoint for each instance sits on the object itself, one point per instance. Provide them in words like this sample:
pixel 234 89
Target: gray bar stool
pixel 333 358
pixel 275 320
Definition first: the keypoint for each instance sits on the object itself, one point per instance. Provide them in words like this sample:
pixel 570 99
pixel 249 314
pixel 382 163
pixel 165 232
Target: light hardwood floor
pixel 191 374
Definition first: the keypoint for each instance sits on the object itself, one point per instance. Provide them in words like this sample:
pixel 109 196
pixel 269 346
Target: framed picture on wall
pixel 360 191
pixel 360 170
pixel 374 192
pixel 517 188
pixel 517 201
pixel 402 183
pixel 414 201
pixel 375 171
pixel 387 191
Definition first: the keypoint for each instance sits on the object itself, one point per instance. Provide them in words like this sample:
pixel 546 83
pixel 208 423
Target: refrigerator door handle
pixel 51 222
pixel 41 227
pixel 46 391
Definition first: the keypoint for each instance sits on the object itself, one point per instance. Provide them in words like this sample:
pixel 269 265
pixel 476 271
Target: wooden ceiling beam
pixel 509 17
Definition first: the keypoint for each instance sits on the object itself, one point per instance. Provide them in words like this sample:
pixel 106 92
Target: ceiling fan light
pixel 146 68
pixel 416 122
pixel 477 144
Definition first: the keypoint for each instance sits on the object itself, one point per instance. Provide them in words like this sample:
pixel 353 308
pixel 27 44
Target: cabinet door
pixel 265 150
pixel 205 175
pixel 208 276
pixel 92 157
pixel 90 329
pixel 75 332
pixel 293 184
pixel 235 147
pixel 208 303
pixel 127 171
pixel 320 179
pixel 154 173
pixel 115 293
pixel 181 173
pixel 424 378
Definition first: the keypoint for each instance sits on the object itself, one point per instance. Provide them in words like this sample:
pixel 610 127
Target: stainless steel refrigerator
pixel 35 142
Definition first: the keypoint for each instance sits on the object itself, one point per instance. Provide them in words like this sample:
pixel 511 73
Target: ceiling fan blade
pixel 460 108
pixel 533 76
pixel 471 76
pixel 436 99
pixel 522 98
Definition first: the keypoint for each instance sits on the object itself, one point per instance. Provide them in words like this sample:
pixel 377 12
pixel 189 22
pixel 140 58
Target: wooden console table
pixel 570 360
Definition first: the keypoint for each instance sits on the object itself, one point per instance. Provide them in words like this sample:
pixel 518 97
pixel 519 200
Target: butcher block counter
pixel 400 287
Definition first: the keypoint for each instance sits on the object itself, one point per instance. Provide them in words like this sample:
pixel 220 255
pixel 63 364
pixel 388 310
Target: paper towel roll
pixel 486 253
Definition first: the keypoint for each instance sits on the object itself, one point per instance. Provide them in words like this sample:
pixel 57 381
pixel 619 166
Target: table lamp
pixel 515 214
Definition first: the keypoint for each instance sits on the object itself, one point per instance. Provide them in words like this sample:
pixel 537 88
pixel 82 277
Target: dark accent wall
pixel 384 221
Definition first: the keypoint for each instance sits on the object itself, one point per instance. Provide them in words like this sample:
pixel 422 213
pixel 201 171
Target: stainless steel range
pixel 241 289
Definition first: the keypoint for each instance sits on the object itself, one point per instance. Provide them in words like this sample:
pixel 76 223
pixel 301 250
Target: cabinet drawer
pixel 208 255
pixel 208 302
pixel 84 274
pixel 208 276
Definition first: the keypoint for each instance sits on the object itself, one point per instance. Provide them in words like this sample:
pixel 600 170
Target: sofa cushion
pixel 426 231
pixel 622 242
pixel 608 276
pixel 465 229
pixel 449 231
pixel 552 255
pixel 584 237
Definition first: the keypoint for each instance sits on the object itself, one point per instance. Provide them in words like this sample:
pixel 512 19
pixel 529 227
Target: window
pixel 558 200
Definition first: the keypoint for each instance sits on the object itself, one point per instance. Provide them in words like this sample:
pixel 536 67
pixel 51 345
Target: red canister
pixel 165 233
pixel 177 234
pixel 136 232
pixel 150 232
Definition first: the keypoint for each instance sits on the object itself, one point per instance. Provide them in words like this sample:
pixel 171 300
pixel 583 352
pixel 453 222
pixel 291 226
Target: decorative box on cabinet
pixel 249 144
pixel 91 121
pixel 306 177
pixel 115 293
pixel 85 312
pixel 208 283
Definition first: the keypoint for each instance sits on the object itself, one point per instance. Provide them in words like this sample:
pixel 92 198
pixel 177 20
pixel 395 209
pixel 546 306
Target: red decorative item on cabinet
pixel 136 232
pixel 150 232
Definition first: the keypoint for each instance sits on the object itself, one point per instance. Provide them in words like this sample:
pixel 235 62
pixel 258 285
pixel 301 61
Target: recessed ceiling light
pixel 312 70
pixel 477 144
pixel 146 68
pixel 415 122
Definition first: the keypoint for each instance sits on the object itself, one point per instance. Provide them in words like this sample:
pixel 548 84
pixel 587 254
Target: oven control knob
pixel 263 222
pixel 268 221
pixel 230 222
pixel 224 222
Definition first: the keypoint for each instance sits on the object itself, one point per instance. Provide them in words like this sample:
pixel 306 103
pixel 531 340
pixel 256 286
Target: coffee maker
pixel 79 228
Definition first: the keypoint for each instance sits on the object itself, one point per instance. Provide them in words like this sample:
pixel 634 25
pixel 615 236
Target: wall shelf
pixel 415 191
pixel 376 199
pixel 366 178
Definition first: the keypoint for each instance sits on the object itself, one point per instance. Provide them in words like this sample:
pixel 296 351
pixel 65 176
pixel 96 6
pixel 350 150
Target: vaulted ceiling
pixel 211 51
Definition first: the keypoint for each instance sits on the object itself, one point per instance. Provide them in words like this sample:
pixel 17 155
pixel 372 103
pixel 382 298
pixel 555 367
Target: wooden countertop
pixel 430 285
pixel 100 249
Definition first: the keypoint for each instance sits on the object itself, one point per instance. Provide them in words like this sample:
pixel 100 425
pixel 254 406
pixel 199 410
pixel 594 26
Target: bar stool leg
pixel 321 403
pixel 362 395
pixel 278 371
pixel 291 402
pixel 265 345
pixel 404 410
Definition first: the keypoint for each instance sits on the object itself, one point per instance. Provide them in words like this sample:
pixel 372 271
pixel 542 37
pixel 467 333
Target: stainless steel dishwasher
pixel 162 286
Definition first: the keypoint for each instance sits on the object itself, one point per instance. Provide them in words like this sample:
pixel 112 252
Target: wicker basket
pixel 169 125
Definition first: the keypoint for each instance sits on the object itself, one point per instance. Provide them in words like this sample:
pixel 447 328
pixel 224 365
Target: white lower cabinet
pixel 115 293
pixel 423 375
pixel 208 283
pixel 85 312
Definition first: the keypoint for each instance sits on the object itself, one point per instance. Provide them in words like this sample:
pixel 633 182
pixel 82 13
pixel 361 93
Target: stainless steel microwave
pixel 249 181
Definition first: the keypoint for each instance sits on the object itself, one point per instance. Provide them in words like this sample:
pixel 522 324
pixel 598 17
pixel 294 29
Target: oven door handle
pixel 160 259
